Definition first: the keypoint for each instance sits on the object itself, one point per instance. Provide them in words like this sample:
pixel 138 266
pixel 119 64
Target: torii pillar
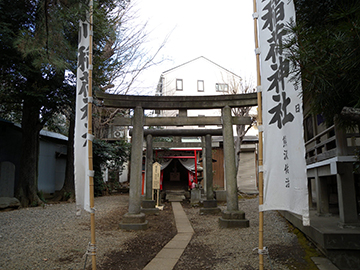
pixel 148 205
pixel 210 204
pixel 134 219
pixel 232 216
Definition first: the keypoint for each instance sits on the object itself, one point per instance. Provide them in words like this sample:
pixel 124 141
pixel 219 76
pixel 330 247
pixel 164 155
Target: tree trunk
pixel 68 190
pixel 26 189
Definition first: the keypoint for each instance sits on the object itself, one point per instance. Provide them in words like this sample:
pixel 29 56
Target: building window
pixel 222 87
pixel 179 84
pixel 200 86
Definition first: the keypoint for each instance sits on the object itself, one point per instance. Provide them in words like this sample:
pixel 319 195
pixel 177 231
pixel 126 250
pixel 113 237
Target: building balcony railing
pixel 329 143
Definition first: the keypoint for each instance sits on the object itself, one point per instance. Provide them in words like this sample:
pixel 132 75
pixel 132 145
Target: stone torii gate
pixel 210 204
pixel 135 219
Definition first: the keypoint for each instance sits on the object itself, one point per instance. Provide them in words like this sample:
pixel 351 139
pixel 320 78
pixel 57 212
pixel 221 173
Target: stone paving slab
pixel 167 258
pixel 177 244
pixel 171 253
pixel 161 263
pixel 182 237
pixel 184 229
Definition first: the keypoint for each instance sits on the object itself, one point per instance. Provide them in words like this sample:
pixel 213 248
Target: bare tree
pixel 103 118
pixel 128 51
pixel 238 86
pixel 129 57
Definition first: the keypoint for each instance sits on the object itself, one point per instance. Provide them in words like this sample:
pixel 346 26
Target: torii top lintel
pixel 177 102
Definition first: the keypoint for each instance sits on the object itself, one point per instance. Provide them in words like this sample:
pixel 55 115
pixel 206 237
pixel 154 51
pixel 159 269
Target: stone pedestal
pixel 347 195
pixel 210 204
pixel 148 204
pixel 210 208
pixel 233 219
pixel 195 196
pixel 134 222
pixel 148 207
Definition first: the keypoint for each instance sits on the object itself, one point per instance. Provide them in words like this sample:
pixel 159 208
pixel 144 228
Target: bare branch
pixel 127 53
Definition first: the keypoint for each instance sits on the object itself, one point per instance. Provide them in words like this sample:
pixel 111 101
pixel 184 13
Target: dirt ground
pixel 138 252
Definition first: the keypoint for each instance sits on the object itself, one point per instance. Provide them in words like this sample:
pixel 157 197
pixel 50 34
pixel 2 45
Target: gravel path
pixel 53 237
pixel 214 248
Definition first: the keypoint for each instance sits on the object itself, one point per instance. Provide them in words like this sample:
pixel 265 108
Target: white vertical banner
pixel 81 152
pixel 285 179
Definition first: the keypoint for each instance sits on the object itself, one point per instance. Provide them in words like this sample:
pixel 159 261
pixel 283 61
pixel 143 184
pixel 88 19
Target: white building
pixel 197 77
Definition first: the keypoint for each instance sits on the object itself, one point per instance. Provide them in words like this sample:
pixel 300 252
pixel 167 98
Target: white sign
pixel 156 175
pixel 285 180
pixel 81 154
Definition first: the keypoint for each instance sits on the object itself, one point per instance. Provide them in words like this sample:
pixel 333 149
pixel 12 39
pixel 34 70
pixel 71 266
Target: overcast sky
pixel 221 31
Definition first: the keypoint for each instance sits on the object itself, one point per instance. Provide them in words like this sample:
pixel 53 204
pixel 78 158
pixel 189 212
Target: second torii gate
pixel 210 205
pixel 135 219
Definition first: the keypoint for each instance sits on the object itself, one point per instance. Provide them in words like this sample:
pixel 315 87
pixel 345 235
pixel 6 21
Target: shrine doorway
pixel 175 176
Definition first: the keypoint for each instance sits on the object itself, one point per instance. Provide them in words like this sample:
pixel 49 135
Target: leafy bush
pixel 111 155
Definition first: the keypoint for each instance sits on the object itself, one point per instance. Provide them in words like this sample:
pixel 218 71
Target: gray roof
pixel 53 135
pixel 43 132
pixel 197 59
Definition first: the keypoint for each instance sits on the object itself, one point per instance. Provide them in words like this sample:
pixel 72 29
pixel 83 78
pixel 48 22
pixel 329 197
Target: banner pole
pixel 260 164
pixel 90 145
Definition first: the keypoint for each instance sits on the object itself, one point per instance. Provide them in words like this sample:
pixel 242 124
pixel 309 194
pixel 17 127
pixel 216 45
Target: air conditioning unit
pixel 118 134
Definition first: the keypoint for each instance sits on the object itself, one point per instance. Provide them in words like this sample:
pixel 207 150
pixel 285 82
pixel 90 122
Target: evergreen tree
pixel 38 46
pixel 325 50
pixel 38 59
pixel 34 53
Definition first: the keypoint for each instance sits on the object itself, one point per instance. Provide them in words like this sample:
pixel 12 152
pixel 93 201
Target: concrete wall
pixel 52 166
pixel 7 179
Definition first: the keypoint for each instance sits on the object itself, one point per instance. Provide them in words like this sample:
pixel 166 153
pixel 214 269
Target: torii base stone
pixel 210 208
pixel 148 207
pixel 233 219
pixel 134 222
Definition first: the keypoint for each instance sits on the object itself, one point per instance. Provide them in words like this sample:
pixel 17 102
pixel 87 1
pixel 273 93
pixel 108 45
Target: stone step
pixel 175 197
pixel 175 191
